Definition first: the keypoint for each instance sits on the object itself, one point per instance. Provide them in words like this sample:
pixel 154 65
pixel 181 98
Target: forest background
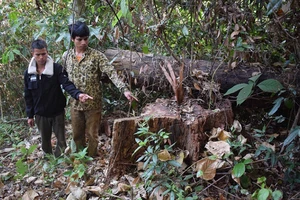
pixel 262 33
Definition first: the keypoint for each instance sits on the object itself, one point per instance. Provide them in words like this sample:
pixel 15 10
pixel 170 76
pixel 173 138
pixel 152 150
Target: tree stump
pixel 188 124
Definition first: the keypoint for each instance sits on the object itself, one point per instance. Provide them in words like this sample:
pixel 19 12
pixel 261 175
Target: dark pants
pixel 86 123
pixel 48 124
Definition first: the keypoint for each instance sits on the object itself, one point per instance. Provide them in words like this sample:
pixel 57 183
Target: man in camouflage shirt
pixel 85 67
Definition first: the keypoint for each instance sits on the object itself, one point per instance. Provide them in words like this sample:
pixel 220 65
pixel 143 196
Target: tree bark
pixel 188 124
pixel 144 71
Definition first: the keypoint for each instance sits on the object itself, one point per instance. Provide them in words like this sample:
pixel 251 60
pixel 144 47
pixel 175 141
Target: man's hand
pixel 30 122
pixel 130 96
pixel 84 97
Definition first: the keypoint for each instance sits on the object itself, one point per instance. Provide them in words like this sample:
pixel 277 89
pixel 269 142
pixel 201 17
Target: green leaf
pixel 124 7
pixel 277 103
pixel 277 195
pixel 16 51
pixel 239 42
pixel 270 85
pixel 145 49
pixel 154 158
pixel 248 161
pixel 185 31
pixel 245 181
pixel 62 35
pixel 68 173
pixel 263 194
pixel 289 103
pixel 244 93
pixel 22 168
pixel 13 16
pixel 73 146
pixel 235 88
pixel 199 173
pixel 273 5
pixel 5 58
pixel 174 163
pixel 115 20
pixel 295 132
pixel 239 170
pixel 11 56
pixel 261 180
pixel 254 78
pixel 32 148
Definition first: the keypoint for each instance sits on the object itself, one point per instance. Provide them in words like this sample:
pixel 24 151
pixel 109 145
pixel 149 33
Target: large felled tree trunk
pixel 144 71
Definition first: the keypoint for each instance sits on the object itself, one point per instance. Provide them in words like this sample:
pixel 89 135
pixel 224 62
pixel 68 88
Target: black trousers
pixel 47 125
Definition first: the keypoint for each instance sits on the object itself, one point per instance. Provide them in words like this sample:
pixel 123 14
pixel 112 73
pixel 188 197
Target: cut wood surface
pixel 188 124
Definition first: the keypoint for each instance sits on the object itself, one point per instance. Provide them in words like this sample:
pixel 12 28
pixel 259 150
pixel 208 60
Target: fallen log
pixel 143 71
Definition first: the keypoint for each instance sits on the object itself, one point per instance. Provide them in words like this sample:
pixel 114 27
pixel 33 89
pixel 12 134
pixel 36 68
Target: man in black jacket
pixel 44 97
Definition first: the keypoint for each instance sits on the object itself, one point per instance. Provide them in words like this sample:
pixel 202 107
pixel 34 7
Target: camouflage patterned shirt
pixel 86 74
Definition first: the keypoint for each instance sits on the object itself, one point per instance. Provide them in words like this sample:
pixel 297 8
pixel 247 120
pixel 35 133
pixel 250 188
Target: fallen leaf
pixel 30 179
pixel 164 155
pixel 237 126
pixel 95 189
pixel 122 187
pixel 242 139
pixel 268 145
pixel 157 194
pixel 233 34
pixel 208 167
pixel 6 150
pixel 30 195
pixel 218 148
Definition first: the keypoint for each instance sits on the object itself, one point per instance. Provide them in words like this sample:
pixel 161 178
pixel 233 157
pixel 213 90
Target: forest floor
pixel 29 175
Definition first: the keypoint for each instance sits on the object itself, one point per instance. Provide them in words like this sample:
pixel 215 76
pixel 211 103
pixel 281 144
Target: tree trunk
pixel 144 71
pixel 187 123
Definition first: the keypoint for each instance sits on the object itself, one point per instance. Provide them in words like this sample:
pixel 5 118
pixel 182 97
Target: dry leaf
pixel 164 155
pixel 220 134
pixel 233 34
pixel 90 181
pixel 218 148
pixel 233 65
pixel 157 194
pixel 95 189
pixel 196 86
pixel 116 34
pixel 30 179
pixel 242 139
pixel 208 167
pixel 224 135
pixel 236 179
pixel 248 156
pixel 122 187
pixel 268 145
pixel 237 126
pixel 58 184
pixel 236 27
pixel 1 184
pixel 30 195
pixel 6 150
pixel 214 133
pixel 180 157
pixel 140 166
pixel 136 180
pixel 78 193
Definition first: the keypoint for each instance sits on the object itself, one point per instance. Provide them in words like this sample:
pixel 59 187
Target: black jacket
pixel 43 93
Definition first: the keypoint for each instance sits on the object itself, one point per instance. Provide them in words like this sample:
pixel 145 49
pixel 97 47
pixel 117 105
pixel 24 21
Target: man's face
pixel 81 43
pixel 40 56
